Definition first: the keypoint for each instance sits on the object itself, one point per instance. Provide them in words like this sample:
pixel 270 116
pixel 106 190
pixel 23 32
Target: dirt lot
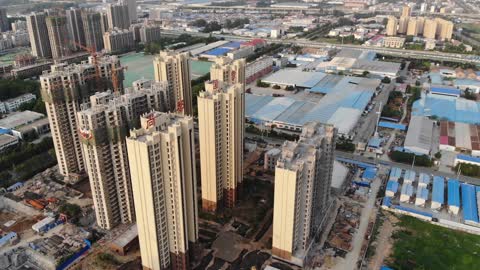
pixel 22 223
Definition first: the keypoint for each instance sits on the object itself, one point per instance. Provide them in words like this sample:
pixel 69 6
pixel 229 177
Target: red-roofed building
pixel 256 43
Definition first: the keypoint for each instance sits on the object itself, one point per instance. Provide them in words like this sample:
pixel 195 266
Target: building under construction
pixel 63 89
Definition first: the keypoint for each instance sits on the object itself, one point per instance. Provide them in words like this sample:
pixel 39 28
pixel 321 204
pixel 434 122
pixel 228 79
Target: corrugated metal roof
pixel 422 192
pixel 469 203
pixel 407 189
pixel 391 125
pixel 448 108
pixel 468 158
pixel 445 91
pixel 369 173
pixel 453 192
pixel 395 173
pixel 392 186
pixel 438 193
pixel 424 178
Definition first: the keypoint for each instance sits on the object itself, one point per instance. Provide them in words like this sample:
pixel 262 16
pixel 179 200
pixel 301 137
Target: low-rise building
pixel 11 105
pixel 393 42
pixel 258 69
pixel 271 158
pixel 26 124
pixel 7 141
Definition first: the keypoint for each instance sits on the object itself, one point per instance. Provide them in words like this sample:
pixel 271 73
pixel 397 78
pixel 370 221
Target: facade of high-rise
pixel 420 25
pixel 103 128
pixel 162 165
pixel 303 177
pixel 19 25
pixel 3 20
pixel 221 131
pixel 412 29
pixel 430 29
pixel 104 22
pixel 391 27
pixel 228 71
pixel 63 90
pixel 444 29
pixel 403 25
pixel 75 28
pixel 118 40
pixel 92 25
pixel 149 33
pixel 175 68
pixel 406 11
pixel 38 33
pixel 132 9
pixel 117 15
pixel 58 36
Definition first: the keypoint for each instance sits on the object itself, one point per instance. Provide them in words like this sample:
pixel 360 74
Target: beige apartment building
pixel 302 189
pixel 103 127
pixel 221 130
pixel 403 25
pixel 58 35
pixel 444 29
pixel 63 89
pixel 406 11
pixel 162 165
pixel 412 29
pixel 118 40
pixel 392 26
pixel 117 16
pixel 430 29
pixel 175 68
pixel 228 71
pixel 38 34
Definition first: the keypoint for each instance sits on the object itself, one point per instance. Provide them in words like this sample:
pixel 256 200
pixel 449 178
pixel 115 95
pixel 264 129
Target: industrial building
pixel 342 96
pixel 453 199
pixel 448 108
pixel 469 204
pixel 25 125
pixel 395 174
pixel 303 178
pixel 12 104
pixel 392 188
pixel 419 137
pixel 358 61
pixel 406 192
pixel 438 192
pixel 460 137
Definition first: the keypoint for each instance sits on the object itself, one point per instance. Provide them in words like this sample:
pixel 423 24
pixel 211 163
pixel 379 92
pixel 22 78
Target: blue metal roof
pixel 387 201
pixel 453 192
pixel 466 82
pixel 218 51
pixel 415 211
pixel 4 131
pixel 374 142
pixel 354 162
pixel 385 268
pixel 445 91
pixel 391 125
pixel 449 108
pixel 438 192
pixel 409 175
pixel 233 45
pixel 422 192
pixel 395 173
pixel 7 238
pixel 369 173
pixel 424 178
pixel 15 186
pixel 469 203
pixel 392 186
pixel 468 158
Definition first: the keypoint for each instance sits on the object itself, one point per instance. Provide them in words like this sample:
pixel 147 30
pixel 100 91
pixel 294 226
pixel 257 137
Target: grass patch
pixel 421 245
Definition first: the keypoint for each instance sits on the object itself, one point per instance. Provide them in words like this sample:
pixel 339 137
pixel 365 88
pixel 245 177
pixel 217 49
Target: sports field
pixel 421 245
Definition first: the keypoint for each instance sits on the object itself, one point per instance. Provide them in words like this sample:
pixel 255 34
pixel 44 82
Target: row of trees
pixel 404 157
pixel 14 88
pixel 181 41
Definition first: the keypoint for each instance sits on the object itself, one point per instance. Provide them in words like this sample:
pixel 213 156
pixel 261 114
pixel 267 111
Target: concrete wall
pixel 13 206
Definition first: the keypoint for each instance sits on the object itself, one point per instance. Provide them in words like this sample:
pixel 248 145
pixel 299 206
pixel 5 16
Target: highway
pixel 430 55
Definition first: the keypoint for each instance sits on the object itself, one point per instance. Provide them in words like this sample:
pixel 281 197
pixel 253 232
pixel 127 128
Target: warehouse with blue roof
pixel 395 173
pixel 438 192
pixel 453 188
pixel 445 91
pixel 409 176
pixel 421 196
pixel 392 188
pixel 449 108
pixel 423 179
pixel 342 106
pixel 469 204
pixel 369 173
pixel 391 125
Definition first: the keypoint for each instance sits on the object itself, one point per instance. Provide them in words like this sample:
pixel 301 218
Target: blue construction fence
pixel 75 256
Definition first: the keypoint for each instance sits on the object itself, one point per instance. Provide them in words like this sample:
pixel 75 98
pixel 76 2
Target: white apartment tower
pixel 175 68
pixel 221 114
pixel 162 164
pixel 103 127
pixel 63 89
pixel 303 177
